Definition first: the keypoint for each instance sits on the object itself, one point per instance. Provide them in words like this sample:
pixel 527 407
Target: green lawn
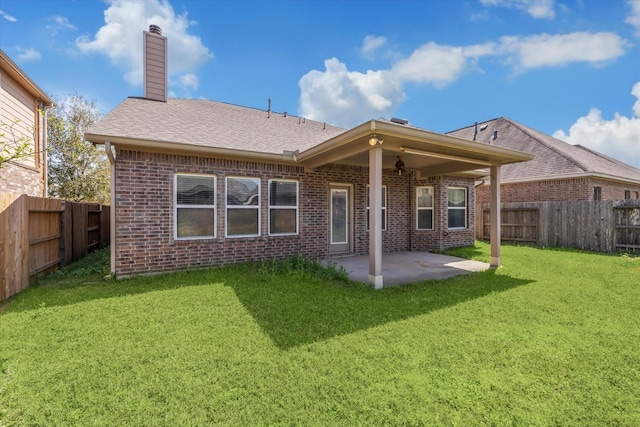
pixel 551 338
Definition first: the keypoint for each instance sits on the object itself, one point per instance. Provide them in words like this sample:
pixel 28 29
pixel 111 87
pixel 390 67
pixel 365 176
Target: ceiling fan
pixel 400 167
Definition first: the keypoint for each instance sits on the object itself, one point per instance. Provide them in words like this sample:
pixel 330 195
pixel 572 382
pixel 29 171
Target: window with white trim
pixel 242 212
pixel 194 206
pixel 384 207
pixel 283 207
pixel 424 208
pixel 457 207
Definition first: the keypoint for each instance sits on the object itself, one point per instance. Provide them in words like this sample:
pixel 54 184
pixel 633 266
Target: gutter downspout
pixel 109 149
pixel 45 150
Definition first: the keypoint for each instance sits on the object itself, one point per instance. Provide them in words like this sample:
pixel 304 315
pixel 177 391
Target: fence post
pixel 66 242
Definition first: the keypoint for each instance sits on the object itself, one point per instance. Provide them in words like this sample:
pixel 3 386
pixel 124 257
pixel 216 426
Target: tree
pixel 78 171
pixel 14 145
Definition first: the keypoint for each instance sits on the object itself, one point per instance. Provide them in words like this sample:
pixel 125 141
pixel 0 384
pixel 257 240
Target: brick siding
pixel 15 178
pixel 572 189
pixel 144 213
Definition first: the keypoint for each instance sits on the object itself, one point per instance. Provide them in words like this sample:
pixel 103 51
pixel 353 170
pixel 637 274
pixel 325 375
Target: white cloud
pixel 189 80
pixel 29 54
pixel 437 64
pixel 546 50
pixel 8 17
pixel 634 18
pixel 538 9
pixel 59 23
pixel 618 138
pixel 121 37
pixel 344 98
pixel 372 43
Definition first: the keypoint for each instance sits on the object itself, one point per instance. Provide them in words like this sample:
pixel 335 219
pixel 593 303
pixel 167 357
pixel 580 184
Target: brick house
pixel 21 104
pixel 559 171
pixel 200 183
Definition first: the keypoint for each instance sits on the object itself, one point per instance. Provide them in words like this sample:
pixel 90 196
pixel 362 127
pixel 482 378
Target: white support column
pixel 375 216
pixel 495 216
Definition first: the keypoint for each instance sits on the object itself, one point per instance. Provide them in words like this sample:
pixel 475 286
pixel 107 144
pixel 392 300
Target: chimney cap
pixel 155 29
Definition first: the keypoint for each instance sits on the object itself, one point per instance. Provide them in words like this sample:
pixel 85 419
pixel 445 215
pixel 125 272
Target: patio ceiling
pixel 429 152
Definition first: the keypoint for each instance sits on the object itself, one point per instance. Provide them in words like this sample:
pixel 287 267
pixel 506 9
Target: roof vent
pixel 399 121
pixel 154 29
pixel 495 135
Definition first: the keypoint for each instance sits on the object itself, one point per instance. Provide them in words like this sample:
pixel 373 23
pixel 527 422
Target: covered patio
pixel 378 145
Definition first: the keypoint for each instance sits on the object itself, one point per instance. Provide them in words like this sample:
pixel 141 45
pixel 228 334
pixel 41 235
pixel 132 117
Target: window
pixel 195 206
pixel 424 208
pixel 627 194
pixel 637 194
pixel 597 193
pixel 457 207
pixel 283 207
pixel 384 207
pixel 243 207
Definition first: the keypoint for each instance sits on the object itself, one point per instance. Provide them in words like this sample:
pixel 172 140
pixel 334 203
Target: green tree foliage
pixel 78 170
pixel 13 144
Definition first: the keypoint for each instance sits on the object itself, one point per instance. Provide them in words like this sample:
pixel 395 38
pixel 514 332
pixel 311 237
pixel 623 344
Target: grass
pixel 550 338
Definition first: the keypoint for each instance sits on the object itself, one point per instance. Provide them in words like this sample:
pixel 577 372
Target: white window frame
pixel 466 203
pixel 176 206
pixel 275 207
pixel 384 207
pixel 425 208
pixel 227 207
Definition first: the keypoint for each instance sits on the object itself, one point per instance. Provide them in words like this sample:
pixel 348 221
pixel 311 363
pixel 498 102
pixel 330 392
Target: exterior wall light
pixel 373 141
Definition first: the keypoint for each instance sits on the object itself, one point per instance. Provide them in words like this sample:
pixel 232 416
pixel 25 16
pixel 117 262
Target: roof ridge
pixel 479 123
pixel 531 132
pixel 231 104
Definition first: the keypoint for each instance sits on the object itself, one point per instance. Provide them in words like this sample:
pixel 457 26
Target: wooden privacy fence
pixel 600 226
pixel 39 235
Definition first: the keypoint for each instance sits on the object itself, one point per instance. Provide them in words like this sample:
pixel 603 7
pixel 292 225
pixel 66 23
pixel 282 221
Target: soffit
pixel 10 67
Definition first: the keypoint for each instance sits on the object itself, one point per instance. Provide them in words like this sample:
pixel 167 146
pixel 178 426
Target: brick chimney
pixel 155 64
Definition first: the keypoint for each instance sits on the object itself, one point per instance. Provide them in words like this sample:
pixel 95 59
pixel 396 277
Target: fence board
pixel 627 230
pixel 44 222
pixel 66 243
pixel 37 235
pixel 79 230
pixel 517 224
pixel 589 225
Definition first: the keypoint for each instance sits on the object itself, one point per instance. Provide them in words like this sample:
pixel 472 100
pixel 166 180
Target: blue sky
pixel 567 68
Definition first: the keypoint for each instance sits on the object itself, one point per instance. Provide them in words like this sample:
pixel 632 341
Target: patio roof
pixel 428 152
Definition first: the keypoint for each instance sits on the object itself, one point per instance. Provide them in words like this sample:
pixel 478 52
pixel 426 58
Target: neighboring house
pixel 559 172
pixel 22 113
pixel 200 183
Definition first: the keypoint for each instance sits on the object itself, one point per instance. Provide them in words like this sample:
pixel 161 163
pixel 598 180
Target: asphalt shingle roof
pixel 552 156
pixel 213 124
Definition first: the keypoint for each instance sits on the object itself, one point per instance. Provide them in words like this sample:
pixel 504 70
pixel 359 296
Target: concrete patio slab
pixel 408 267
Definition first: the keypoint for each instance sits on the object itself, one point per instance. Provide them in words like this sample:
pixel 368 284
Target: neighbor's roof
pixel 553 158
pixel 210 125
pixel 10 67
